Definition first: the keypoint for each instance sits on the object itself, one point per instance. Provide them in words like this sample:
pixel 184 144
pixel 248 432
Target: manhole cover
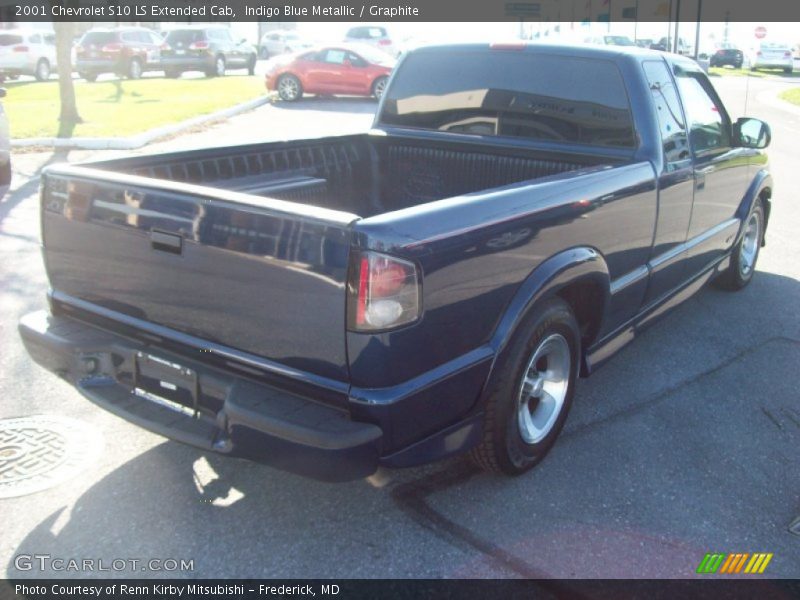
pixel 40 452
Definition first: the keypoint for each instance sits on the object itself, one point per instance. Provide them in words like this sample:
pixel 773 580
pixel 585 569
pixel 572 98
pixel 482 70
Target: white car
pixel 27 52
pixel 374 36
pixel 281 42
pixel 5 150
pixel 769 55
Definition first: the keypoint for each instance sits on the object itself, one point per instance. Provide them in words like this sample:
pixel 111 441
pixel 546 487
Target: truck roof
pixel 580 50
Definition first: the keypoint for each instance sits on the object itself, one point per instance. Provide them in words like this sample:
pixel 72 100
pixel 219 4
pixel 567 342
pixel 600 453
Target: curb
pixel 142 139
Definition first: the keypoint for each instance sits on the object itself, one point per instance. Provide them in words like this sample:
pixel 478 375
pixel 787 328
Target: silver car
pixel 27 52
pixel 5 149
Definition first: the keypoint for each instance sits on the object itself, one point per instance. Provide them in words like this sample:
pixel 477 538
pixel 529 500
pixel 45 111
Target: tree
pixel 69 116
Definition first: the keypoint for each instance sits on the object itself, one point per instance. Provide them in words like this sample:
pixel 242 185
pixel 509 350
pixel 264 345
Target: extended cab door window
pixel 709 125
pixel 675 142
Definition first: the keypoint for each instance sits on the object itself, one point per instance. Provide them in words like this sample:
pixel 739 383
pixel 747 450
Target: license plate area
pixel 166 382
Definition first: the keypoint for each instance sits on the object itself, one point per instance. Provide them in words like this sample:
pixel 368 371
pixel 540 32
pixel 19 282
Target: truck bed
pixel 363 174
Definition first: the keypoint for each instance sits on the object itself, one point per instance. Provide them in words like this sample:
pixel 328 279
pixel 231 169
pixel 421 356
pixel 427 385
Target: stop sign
pixel 761 32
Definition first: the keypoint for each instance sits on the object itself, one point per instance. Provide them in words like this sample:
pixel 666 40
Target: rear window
pixel 99 37
pixel 185 36
pixel 511 93
pixel 10 40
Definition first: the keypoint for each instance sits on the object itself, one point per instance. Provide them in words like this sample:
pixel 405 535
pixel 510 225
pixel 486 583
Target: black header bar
pixel 126 11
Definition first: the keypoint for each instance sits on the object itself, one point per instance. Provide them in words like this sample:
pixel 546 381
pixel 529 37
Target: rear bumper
pixel 188 63
pixel 228 414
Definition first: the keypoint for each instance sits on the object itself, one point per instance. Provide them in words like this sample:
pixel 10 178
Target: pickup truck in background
pixel 327 306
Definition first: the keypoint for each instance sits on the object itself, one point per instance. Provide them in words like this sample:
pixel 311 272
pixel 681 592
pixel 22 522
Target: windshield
pixel 372 55
pixel 184 36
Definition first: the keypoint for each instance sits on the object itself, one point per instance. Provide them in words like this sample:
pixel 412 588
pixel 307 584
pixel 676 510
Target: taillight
pixel 384 42
pixel 759 53
pixel 111 48
pixel 787 54
pixel 383 292
pixel 198 46
pixel 165 46
pixel 21 48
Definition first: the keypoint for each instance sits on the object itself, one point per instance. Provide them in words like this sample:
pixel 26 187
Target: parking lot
pixel 685 443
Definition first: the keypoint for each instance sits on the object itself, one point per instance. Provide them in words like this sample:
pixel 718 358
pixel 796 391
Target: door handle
pixel 166 242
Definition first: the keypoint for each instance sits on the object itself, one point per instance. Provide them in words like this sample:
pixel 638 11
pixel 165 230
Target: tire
pixel 134 69
pixel 745 254
pixel 172 74
pixel 90 77
pixel 547 341
pixel 42 70
pixel 251 65
pixel 289 88
pixel 379 87
pixel 787 70
pixel 263 53
pixel 218 70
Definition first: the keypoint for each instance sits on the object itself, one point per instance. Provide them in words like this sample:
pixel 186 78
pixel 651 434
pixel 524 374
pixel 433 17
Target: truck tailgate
pixel 258 275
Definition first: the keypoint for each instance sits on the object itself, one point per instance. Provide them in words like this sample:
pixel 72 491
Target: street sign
pixel 761 32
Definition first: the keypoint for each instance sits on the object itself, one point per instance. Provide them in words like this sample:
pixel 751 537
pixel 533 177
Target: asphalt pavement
pixel 687 442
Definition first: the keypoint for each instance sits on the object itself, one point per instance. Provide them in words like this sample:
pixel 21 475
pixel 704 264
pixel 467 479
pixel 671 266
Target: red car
pixel 346 69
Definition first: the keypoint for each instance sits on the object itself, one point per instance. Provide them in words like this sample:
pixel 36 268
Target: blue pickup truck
pixel 516 215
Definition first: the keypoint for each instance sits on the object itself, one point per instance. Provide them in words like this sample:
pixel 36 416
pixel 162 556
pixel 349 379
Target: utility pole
pixel 677 23
pixel 697 33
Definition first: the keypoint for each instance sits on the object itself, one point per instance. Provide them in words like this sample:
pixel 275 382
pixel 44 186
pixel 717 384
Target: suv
pixel 374 36
pixel 25 52
pixel 210 49
pixel 127 51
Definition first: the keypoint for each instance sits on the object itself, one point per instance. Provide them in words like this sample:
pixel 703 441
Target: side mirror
pixel 751 133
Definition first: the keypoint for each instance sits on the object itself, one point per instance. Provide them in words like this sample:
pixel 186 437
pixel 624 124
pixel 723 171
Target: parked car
pixel 610 40
pixel 27 52
pixel 769 55
pixel 211 49
pixel 373 36
pixel 644 42
pixel 5 149
pixel 727 55
pixel 353 70
pixel 125 51
pixel 515 217
pixel 274 43
pixel 665 45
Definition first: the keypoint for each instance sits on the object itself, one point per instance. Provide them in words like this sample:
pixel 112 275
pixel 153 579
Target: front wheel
pixel 531 391
pixel 289 88
pixel 379 87
pixel 745 254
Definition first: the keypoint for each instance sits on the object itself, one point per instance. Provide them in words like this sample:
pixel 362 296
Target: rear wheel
pixel 218 68
pixel 135 69
pixel 531 391
pixel 787 70
pixel 379 87
pixel 42 70
pixel 89 76
pixel 745 255
pixel 289 88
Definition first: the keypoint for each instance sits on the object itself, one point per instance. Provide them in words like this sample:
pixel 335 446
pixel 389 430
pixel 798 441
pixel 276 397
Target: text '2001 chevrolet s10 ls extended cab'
pixel 327 306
